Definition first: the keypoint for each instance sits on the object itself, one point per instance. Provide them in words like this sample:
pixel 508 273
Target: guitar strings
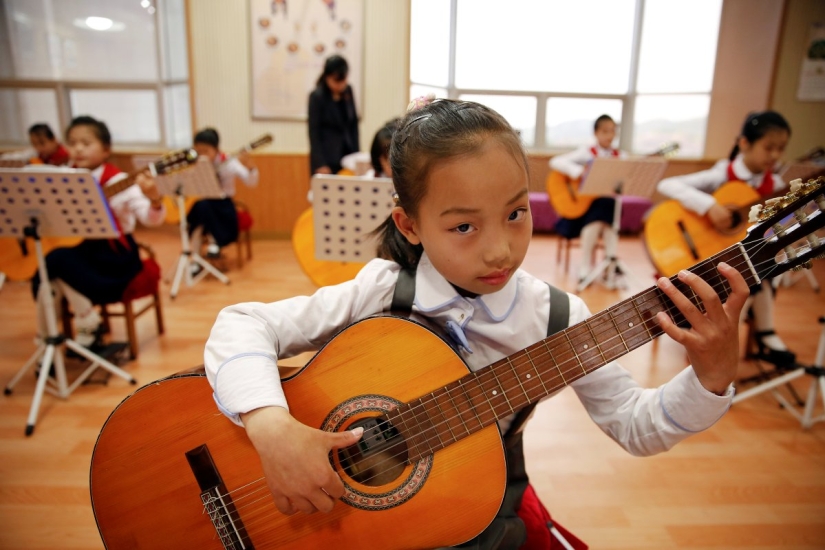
pixel 536 365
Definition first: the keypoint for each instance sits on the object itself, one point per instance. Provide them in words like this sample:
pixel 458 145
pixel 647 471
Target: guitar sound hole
pixel 379 457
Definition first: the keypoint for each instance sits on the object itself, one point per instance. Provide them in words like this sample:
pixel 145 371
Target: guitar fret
pixel 458 411
pixel 495 392
pixel 517 377
pixel 502 392
pixel 535 368
pixel 573 348
pixel 471 404
pixel 436 419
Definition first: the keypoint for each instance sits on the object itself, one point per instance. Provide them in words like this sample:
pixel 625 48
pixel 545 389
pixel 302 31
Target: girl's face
pixel 605 134
pixel 337 84
pixel 206 150
pixel 85 148
pixel 474 221
pixel 763 154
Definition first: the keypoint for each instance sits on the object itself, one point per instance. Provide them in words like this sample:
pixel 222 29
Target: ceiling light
pixel 103 24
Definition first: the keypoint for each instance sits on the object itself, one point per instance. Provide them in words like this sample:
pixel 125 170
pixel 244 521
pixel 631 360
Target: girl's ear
pixel 405 224
pixel 744 144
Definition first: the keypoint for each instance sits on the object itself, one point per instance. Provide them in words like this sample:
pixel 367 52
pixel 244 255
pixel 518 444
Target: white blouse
pixel 573 163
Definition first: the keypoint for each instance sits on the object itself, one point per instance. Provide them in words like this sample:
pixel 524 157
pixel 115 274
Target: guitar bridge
pixel 217 502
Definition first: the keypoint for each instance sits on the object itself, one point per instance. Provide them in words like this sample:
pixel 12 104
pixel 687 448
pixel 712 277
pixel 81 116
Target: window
pixel 556 66
pixel 122 61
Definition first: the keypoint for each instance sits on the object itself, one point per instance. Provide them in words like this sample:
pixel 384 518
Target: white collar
pixel 433 291
pixel 741 170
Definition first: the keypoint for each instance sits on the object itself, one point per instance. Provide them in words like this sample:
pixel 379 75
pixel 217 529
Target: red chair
pixel 244 235
pixel 145 284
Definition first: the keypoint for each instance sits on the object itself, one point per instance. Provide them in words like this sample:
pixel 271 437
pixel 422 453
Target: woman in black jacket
pixel 333 122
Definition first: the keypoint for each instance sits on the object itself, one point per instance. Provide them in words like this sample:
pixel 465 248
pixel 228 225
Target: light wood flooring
pixel 755 480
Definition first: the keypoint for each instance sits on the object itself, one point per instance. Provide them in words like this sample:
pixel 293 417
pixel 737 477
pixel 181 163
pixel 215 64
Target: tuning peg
pixel 753 215
pixel 796 185
pixel 804 265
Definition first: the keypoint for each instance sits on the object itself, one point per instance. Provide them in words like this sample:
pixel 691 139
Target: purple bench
pixel 544 217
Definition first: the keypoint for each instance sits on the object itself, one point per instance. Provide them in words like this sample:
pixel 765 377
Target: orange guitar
pixel 172 210
pixel 17 258
pixel 676 238
pixel 169 471
pixel 564 195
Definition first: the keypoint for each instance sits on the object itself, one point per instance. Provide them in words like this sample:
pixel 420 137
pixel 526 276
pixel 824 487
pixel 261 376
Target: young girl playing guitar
pixel 753 159
pixel 98 270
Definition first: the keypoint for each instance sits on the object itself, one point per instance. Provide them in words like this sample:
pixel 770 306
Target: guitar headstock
pixel 172 162
pixel 260 142
pixel 667 150
pixel 785 236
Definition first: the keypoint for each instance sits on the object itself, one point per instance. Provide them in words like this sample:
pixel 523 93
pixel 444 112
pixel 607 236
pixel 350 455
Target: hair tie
pixel 420 101
pixel 395 199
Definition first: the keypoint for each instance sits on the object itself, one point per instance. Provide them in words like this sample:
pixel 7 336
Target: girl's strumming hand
pixel 712 341
pixel 295 459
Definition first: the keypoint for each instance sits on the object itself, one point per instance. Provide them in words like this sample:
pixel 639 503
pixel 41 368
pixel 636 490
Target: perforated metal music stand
pixel 200 181
pixel 617 177
pixel 345 210
pixel 54 203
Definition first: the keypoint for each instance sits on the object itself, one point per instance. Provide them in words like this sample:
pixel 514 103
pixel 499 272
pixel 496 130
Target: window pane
pixel 570 120
pixel 132 115
pixel 671 118
pixel 82 40
pixel 20 108
pixel 178 119
pixel 678 58
pixel 538 45
pixel 430 42
pixel 519 111
pixel 173 22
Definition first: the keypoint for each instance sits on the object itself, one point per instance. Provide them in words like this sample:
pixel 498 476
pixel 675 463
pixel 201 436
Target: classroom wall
pixel 751 74
pixel 807 118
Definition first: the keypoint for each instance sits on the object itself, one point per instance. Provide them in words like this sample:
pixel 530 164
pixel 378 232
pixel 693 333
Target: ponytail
pixel 392 245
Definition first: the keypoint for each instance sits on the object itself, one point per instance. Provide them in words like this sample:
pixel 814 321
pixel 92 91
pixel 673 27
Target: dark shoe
pixel 780 358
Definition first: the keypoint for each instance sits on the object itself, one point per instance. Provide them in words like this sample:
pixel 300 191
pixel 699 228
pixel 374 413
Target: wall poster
pixel 290 40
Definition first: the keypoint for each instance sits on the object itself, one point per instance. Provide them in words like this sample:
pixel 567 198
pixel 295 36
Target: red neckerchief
pixel 613 152
pixel 110 171
pixel 765 188
pixel 58 158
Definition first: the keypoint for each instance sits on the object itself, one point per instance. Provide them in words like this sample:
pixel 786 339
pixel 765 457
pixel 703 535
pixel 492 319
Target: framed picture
pixel 289 42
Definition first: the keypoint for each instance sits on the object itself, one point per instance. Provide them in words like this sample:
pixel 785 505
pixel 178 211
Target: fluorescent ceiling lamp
pixel 103 24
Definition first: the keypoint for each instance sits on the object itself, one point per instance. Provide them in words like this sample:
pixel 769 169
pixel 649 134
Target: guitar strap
pixel 506 530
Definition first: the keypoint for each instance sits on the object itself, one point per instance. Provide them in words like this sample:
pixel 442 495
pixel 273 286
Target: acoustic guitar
pixel 17 257
pixel 169 471
pixel 172 211
pixel 563 191
pixel 676 238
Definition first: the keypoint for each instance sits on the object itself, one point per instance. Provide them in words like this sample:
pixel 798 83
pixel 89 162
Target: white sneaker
pixel 213 251
pixel 87 328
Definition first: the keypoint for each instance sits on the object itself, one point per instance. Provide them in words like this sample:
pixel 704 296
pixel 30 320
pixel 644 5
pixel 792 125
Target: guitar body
pixel 564 196
pixel 664 239
pixel 321 272
pixel 20 263
pixel 172 212
pixel 145 495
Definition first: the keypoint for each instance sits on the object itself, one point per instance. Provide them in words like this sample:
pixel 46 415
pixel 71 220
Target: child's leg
pixel 589 237
pixel 771 346
pixel 87 319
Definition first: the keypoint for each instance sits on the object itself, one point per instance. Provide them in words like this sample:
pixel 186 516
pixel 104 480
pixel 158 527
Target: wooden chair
pixel 145 284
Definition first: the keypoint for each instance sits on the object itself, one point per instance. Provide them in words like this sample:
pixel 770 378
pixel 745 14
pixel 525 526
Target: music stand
pixel 817 371
pixel 345 210
pixel 200 181
pixel 617 177
pixel 65 203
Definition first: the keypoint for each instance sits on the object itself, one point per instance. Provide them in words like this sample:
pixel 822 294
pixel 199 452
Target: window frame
pixel 626 129
pixel 63 87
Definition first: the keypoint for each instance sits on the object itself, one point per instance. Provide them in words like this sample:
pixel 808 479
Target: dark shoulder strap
pixel 558 321
pixel 402 298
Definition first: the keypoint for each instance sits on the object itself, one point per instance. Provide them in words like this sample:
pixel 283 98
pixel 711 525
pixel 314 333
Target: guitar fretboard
pixel 433 421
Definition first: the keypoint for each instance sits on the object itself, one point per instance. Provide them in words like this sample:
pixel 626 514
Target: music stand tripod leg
pixel 189 257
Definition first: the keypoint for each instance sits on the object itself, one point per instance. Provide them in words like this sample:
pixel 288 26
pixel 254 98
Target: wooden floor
pixel 755 480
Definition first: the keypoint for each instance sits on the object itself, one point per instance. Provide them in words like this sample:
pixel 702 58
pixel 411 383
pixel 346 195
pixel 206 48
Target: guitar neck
pixel 479 399
pixel 111 190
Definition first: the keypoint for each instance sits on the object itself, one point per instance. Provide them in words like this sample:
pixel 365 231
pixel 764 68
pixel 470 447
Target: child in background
pixel 97 271
pixel 217 218
pixel 380 150
pixel 598 220
pixel 49 150
pixel 755 155
pixel 462 223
